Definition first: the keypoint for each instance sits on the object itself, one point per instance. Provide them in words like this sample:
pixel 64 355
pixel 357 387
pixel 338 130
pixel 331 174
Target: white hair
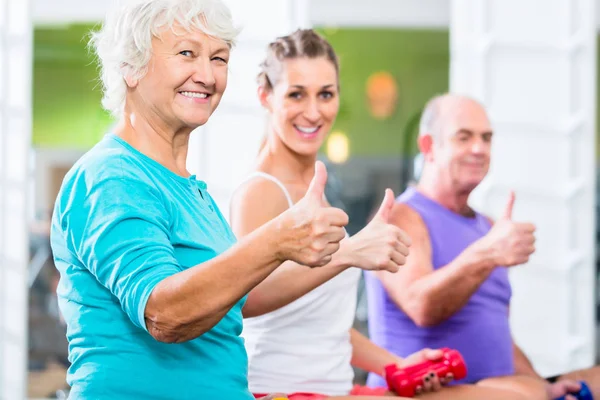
pixel 124 43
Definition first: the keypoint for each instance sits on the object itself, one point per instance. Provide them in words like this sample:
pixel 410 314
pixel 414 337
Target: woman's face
pixel 186 78
pixel 304 103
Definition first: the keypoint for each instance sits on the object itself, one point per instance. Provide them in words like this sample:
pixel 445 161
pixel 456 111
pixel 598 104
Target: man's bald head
pixel 442 109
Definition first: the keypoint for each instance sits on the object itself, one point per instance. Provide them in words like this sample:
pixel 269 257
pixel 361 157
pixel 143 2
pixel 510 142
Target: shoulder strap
pixel 276 181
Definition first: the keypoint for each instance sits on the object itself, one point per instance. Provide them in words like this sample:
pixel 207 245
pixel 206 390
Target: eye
pixel 220 59
pixel 326 94
pixel 295 95
pixel 186 53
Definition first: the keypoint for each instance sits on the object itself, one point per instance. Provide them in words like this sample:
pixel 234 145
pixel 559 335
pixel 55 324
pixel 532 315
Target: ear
pixel 264 96
pixel 425 143
pixel 129 80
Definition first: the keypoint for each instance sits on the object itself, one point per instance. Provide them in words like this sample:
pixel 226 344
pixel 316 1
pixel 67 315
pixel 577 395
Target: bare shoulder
pixel 406 217
pixel 254 203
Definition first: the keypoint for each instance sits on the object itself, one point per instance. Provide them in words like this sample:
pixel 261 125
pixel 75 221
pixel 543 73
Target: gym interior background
pixel 534 65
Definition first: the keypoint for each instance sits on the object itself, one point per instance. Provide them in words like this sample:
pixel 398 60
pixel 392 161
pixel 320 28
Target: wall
pixel 419 62
pixel 66 99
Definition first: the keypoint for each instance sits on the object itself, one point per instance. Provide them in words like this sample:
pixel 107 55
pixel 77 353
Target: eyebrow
pixel 470 132
pixel 324 87
pixel 222 49
pixel 191 41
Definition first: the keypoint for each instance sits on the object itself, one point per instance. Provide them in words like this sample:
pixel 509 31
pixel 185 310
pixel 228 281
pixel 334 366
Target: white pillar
pixel 223 152
pixel 15 134
pixel 532 63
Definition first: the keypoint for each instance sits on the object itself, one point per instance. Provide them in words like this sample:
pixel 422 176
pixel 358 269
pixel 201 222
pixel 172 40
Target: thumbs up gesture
pixel 380 245
pixel 510 243
pixel 310 232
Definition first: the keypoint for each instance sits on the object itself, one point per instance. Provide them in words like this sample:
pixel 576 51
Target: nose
pixel 312 112
pixel 479 146
pixel 203 73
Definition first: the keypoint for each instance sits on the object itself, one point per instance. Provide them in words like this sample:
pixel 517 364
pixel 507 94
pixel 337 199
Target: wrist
pixel 485 256
pixel 274 235
pixel 343 257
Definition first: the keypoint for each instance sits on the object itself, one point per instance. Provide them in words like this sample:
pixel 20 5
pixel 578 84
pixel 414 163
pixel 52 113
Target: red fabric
pixel 298 396
pixel 357 390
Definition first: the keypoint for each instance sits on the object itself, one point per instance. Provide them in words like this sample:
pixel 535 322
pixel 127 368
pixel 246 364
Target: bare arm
pixel 217 285
pixel 522 364
pixel 187 304
pixel 367 356
pixel 255 204
pixel 430 297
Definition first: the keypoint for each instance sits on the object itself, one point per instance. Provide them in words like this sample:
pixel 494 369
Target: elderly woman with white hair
pixel 152 279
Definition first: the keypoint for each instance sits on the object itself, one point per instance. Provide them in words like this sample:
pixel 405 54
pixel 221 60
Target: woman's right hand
pixel 310 231
pixel 380 245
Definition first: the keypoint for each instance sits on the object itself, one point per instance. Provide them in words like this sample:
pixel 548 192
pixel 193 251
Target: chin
pixel 307 149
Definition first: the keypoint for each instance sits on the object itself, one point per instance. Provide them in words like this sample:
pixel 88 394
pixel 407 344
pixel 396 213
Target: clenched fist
pixel 380 245
pixel 510 243
pixel 310 231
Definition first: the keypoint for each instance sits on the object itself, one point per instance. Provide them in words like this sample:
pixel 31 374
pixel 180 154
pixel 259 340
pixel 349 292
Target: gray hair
pixel 124 43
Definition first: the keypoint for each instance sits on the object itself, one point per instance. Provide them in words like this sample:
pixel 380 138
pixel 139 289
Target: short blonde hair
pixel 123 45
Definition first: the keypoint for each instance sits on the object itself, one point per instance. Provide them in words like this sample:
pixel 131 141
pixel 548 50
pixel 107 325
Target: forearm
pixel 435 297
pixel 522 364
pixel 367 356
pixel 297 280
pixel 185 305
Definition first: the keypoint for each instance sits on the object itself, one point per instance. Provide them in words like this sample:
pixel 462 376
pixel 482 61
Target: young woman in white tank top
pixel 298 326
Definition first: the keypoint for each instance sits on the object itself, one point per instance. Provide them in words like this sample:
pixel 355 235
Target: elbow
pixel 423 314
pixel 168 330
pixel 165 324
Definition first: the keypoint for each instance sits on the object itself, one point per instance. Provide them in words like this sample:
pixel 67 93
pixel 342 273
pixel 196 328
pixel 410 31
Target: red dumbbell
pixel 408 381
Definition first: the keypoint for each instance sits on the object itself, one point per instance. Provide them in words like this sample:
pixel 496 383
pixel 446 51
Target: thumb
pixel 432 354
pixel 509 206
pixel 386 206
pixel 317 185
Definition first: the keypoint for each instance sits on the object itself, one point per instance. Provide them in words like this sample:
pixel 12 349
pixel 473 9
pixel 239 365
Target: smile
pixel 195 95
pixel 307 130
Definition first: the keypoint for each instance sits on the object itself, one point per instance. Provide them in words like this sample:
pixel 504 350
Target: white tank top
pixel 304 346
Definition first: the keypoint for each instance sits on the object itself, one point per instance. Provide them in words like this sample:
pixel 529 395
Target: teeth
pixel 195 95
pixel 307 130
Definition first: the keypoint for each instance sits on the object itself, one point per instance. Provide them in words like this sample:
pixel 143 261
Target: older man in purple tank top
pixel 454 289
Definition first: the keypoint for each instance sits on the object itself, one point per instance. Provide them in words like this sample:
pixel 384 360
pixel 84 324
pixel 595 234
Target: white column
pixel 15 133
pixel 532 63
pixel 223 151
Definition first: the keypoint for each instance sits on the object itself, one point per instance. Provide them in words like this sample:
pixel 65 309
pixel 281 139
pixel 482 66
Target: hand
pixel 379 245
pixel 510 243
pixel 563 388
pixel 309 232
pixel 431 382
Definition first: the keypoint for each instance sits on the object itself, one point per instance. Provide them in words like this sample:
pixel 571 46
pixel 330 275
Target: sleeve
pixel 120 232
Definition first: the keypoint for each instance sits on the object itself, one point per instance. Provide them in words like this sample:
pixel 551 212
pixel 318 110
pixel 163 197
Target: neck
pixel 280 161
pixel 443 192
pixel 156 140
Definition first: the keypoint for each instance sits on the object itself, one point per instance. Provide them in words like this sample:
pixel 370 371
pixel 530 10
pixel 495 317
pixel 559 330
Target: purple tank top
pixel 480 330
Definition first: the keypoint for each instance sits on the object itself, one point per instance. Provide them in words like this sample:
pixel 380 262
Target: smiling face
pixel 303 103
pixel 185 80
